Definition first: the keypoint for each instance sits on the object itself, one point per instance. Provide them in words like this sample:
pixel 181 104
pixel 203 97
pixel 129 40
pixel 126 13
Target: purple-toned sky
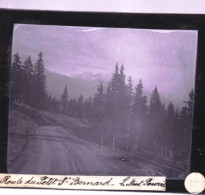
pixel 162 58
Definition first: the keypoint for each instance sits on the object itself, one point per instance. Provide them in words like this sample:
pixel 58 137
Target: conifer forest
pixel 123 128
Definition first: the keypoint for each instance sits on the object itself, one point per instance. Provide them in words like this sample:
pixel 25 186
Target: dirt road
pixel 49 150
pixel 56 150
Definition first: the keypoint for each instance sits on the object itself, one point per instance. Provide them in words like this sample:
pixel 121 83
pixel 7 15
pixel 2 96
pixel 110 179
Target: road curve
pixel 48 150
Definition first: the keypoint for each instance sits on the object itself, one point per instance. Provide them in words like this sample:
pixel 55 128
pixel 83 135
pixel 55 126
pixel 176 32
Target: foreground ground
pixel 51 144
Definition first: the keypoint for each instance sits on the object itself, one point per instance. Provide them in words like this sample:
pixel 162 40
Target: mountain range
pixel 85 84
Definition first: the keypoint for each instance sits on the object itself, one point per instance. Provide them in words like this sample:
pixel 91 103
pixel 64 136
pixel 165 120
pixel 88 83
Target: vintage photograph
pixel 101 101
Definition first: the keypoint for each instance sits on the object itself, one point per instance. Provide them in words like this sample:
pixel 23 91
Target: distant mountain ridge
pixel 89 76
pixel 85 84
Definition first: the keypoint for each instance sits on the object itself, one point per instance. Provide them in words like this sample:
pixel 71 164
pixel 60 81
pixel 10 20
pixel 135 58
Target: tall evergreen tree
pixel 88 108
pixel 130 90
pixel 109 106
pixel 80 107
pixel 99 112
pixel 16 78
pixel 109 117
pixel 139 106
pixel 73 107
pixel 117 107
pixel 64 100
pixel 28 81
pixel 169 130
pixel 155 103
pixel 155 117
pixel 55 104
pixel 171 111
pixel 183 116
pixel 40 83
pixel 190 104
pixel 115 79
pixel 184 129
pixel 122 75
pixel 139 113
pixel 130 95
pixel 114 98
pixel 98 104
pixel 119 95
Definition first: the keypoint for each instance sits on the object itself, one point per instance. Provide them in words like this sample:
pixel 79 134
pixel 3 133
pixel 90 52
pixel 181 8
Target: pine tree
pixel 109 108
pixel 54 104
pixel 64 100
pixel 120 100
pixel 28 81
pixel 139 106
pixel 183 115
pixel 40 83
pixel 139 113
pixel 72 107
pixel 88 108
pixel 117 108
pixel 155 117
pixel 177 114
pixel 190 104
pixel 122 75
pixel 109 114
pixel 98 104
pixel 130 90
pixel 114 99
pixel 171 111
pixel 185 123
pixel 99 112
pixel 130 95
pixel 49 105
pixel 169 131
pixel 163 109
pixel 115 79
pixel 16 78
pixel 184 129
pixel 155 103
pixel 80 107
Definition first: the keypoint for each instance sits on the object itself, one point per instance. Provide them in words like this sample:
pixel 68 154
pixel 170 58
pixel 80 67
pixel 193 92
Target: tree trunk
pixel 113 142
pixel 128 141
pixel 101 138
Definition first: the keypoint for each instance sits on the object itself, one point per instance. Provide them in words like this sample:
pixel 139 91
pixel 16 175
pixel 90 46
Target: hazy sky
pixel 166 59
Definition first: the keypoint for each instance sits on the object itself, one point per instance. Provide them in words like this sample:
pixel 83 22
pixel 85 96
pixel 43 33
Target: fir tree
pixel 88 108
pixel 155 103
pixel 54 104
pixel 64 100
pixel 80 107
pixel 130 95
pixel 40 83
pixel 155 117
pixel 139 114
pixel 28 81
pixel 130 90
pixel 190 104
pixel 16 78
pixel 169 130
pixel 98 104
pixel 99 112
pixel 72 107
pixel 139 106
